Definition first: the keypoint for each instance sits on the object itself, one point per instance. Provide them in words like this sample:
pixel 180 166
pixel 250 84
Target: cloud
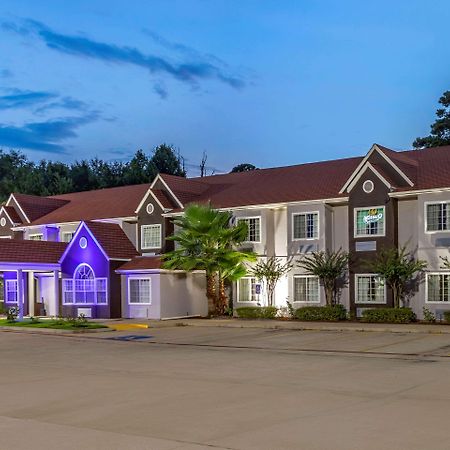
pixel 64 103
pixel 160 90
pixel 24 99
pixel 45 136
pixel 191 72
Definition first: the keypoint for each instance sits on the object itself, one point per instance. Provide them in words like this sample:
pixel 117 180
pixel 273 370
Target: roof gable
pixel 33 206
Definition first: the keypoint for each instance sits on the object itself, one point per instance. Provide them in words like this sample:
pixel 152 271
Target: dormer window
pixel 369 221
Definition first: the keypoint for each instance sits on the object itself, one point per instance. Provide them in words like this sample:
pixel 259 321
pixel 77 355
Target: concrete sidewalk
pixel 286 325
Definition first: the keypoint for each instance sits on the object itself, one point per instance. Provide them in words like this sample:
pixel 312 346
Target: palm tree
pixel 207 241
pixel 329 267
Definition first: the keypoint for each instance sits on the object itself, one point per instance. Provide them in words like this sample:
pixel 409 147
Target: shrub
pixel 428 315
pixel 321 313
pixel 12 313
pixel 256 312
pixel 388 315
pixel 447 316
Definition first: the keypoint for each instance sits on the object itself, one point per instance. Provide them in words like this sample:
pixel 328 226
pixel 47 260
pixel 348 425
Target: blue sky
pixel 267 82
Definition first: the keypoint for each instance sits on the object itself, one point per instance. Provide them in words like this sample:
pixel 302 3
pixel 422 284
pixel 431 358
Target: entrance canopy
pixel 30 255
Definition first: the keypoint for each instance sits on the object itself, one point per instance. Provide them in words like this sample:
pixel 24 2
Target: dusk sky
pixel 267 82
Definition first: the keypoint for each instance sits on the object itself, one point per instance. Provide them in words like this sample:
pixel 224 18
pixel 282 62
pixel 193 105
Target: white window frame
pixel 248 234
pixel 238 291
pixel 426 288
pixel 7 290
pixel 357 302
pixel 313 302
pixel 304 214
pixel 355 227
pixel 425 216
pixel 30 236
pixel 141 278
pixel 153 225
pixel 65 233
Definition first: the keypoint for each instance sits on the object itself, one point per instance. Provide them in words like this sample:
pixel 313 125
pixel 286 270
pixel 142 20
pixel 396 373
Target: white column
pixel 20 293
pixel 31 292
pixel 56 291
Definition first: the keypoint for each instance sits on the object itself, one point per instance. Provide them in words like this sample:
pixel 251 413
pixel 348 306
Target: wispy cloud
pixel 5 73
pixel 45 136
pixel 160 89
pixel 191 72
pixel 24 99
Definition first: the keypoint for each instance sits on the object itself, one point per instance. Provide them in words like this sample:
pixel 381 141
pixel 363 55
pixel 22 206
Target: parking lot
pixel 193 388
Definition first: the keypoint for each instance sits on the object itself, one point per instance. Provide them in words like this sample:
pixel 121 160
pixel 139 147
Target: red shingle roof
pixel 113 240
pixel 12 214
pixel 142 263
pixel 35 206
pixel 99 204
pixel 37 252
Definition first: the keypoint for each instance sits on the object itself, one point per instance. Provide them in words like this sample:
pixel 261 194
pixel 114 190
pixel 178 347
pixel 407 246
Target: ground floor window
pixel 437 287
pixel 139 291
pixel 370 288
pixel 247 291
pixel 11 291
pixel 84 288
pixel 306 289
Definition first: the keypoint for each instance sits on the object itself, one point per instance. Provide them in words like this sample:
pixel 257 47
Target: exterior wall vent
pixel 366 246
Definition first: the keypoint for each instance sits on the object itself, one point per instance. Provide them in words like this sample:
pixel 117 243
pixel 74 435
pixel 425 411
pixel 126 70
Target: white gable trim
pixel 18 204
pixel 363 171
pixel 2 209
pixel 72 242
pixel 144 199
pixel 365 160
pixel 158 177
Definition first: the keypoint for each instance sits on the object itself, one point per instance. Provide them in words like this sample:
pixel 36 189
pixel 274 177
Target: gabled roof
pixel 12 214
pixel 98 204
pixel 34 252
pixel 141 263
pixel 34 206
pixel 112 239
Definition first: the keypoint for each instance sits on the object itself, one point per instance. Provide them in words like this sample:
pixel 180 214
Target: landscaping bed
pixel 55 324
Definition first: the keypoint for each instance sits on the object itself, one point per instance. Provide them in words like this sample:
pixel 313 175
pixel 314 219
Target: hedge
pixel 447 316
pixel 256 312
pixel 388 315
pixel 321 313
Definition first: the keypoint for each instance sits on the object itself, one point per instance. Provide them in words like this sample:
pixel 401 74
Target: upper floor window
pixel 36 237
pixel 370 288
pixel 254 228
pixel 438 288
pixel 67 236
pixel 369 221
pixel 305 225
pixel 437 217
pixel 151 236
pixel 306 289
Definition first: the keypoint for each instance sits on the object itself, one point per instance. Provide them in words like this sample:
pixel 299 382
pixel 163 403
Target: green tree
pixel 166 160
pixel 330 268
pixel 400 270
pixel 270 271
pixel 206 240
pixel 440 129
pixel 244 167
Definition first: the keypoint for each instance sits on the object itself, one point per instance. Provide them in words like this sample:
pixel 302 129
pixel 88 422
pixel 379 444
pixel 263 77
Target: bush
pixel 447 316
pixel 256 312
pixel 321 313
pixel 388 315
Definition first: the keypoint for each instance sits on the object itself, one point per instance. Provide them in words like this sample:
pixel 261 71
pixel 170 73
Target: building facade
pixel 361 205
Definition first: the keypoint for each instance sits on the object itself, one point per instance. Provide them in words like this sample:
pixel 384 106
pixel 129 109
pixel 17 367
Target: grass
pixel 56 324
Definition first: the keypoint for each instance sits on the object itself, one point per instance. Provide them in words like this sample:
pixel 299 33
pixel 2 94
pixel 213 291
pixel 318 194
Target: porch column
pixel 31 294
pixel 20 293
pixel 56 291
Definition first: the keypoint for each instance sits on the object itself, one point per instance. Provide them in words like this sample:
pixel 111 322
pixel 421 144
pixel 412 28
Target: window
pixel 369 221
pixel 305 225
pixel 36 237
pixel 11 291
pixel 247 290
pixel 67 236
pixel 2 290
pixel 151 236
pixel 438 217
pixel 84 288
pixel 254 228
pixel 139 291
pixel 437 288
pixel 306 289
pixel 370 288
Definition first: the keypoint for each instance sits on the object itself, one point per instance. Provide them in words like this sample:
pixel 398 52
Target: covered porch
pixel 31 276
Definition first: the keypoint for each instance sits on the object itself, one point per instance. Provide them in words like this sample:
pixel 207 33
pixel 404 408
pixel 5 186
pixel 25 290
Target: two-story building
pixel 385 198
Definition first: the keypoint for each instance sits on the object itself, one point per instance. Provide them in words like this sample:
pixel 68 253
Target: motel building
pixel 97 253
